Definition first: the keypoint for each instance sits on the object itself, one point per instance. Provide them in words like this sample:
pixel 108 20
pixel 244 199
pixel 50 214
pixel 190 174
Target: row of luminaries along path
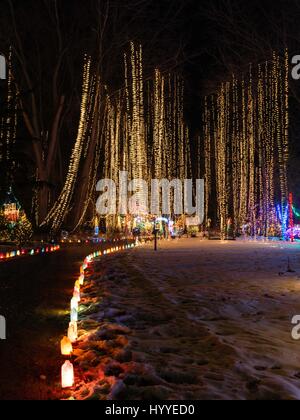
pixel 79 306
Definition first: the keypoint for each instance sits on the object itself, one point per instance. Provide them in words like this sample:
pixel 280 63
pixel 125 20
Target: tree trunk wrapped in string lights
pixel 62 206
pixel 141 129
pixel 248 122
pixel 146 134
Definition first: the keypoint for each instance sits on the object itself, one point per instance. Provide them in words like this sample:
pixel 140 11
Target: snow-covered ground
pixel 195 320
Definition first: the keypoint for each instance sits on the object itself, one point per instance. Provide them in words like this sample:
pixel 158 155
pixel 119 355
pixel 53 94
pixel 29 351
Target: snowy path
pixel 200 320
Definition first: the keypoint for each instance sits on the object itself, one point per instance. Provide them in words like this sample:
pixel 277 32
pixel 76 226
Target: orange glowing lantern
pixel 66 346
pixel 81 280
pixel 67 375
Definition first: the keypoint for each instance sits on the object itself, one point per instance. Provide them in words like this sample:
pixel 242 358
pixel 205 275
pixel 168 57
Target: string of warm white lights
pixel 221 159
pixel 145 130
pixel 61 207
pixel 249 124
pixel 207 156
pixel 8 123
pixel 140 130
pixel 97 135
pixel 235 149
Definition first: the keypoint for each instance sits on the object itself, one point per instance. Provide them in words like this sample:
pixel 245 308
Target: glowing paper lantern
pixel 76 294
pixel 74 315
pixel 66 346
pixel 74 309
pixel 74 304
pixel 67 375
pixel 73 332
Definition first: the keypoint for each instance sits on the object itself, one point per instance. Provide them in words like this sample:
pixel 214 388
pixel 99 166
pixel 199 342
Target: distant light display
pixel 11 207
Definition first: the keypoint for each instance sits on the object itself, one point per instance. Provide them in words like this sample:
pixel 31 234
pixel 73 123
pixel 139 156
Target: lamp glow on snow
pixel 67 375
pixel 66 346
pixel 73 332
